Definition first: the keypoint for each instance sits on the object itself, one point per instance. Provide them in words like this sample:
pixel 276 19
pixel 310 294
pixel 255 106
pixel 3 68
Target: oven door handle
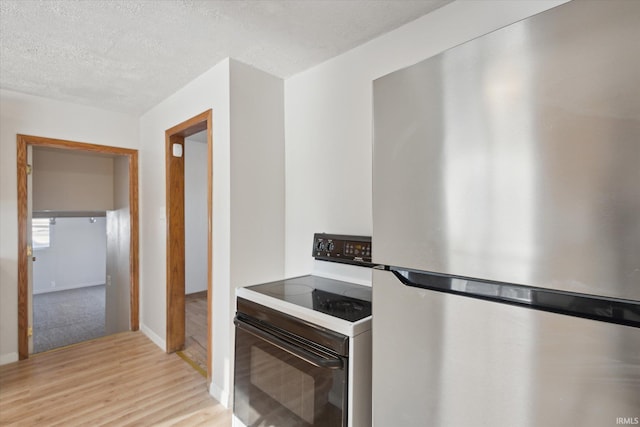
pixel 306 355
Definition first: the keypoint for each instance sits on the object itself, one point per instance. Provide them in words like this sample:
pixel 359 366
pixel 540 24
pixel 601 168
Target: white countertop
pixel 336 324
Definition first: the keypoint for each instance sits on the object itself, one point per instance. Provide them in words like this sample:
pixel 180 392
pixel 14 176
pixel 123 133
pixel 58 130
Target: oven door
pixel 285 380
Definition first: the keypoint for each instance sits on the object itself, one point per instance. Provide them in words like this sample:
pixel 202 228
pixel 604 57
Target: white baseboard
pixel 154 337
pixel 220 395
pixel 8 358
pixel 66 288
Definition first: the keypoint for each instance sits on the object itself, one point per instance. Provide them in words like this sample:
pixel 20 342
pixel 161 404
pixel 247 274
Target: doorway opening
pixel 198 128
pixel 123 227
pixel 69 286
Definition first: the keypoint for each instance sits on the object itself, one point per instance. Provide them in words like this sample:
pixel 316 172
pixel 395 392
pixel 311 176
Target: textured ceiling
pixel 129 55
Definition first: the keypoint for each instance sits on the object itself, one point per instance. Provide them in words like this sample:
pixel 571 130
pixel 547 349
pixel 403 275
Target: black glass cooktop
pixel 345 300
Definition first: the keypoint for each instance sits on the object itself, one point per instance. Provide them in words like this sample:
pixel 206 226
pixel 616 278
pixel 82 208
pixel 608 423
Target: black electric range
pixel 340 299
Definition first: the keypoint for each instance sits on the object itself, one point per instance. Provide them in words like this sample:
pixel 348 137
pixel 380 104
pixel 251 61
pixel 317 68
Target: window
pixel 40 233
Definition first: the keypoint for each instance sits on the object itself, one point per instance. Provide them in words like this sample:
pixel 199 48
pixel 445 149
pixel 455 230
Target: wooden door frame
pixel 23 285
pixel 175 231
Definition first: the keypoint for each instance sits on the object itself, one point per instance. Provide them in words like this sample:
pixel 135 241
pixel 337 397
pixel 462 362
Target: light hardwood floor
pixel 119 380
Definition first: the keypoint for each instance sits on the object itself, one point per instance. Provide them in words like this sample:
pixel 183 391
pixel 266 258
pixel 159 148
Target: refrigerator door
pixel 514 157
pixel 449 360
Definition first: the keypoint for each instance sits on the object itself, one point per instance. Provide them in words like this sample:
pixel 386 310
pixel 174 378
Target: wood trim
pixel 73 145
pixel 23 286
pixel 175 245
pixel 23 280
pixel 175 290
pixel 192 126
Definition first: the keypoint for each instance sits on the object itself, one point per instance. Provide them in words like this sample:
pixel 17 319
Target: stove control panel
pixel 342 248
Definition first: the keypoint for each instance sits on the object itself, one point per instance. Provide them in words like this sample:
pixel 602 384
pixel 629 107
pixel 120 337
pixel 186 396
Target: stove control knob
pixel 330 246
pixel 320 245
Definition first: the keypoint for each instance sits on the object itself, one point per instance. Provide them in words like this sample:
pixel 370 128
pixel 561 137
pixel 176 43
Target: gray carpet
pixel 67 317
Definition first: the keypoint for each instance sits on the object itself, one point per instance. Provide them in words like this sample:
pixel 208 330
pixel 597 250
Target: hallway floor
pixel 195 343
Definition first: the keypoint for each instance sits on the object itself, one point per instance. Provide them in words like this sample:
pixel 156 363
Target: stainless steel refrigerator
pixel 506 223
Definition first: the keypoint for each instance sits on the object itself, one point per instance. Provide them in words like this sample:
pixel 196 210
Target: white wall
pixel 248 197
pixel 31 115
pixel 209 91
pixel 257 186
pixel 195 213
pixel 75 258
pixel 328 130
pixel 257 176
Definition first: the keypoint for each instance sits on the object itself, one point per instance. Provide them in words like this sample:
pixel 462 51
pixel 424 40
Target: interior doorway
pixel 195 229
pixel 176 257
pixel 69 285
pixel 129 164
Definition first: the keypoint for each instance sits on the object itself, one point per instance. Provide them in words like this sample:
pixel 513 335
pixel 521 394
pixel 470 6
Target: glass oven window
pixel 274 387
